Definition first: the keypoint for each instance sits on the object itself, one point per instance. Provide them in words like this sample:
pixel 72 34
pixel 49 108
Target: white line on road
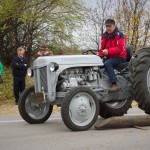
pixel 14 121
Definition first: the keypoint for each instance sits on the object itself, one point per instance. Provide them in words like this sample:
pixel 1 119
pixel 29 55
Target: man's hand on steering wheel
pixel 105 52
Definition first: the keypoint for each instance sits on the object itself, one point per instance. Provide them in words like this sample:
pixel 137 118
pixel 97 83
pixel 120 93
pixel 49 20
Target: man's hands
pixel 23 64
pixel 105 52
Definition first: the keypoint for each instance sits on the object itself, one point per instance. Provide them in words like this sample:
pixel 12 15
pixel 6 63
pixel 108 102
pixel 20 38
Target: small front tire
pixel 30 112
pixel 80 109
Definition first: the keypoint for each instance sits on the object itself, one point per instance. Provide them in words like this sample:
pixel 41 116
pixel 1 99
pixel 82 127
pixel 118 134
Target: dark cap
pixel 110 22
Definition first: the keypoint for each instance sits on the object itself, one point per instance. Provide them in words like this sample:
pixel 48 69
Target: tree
pixel 32 23
pixel 93 29
pixel 131 16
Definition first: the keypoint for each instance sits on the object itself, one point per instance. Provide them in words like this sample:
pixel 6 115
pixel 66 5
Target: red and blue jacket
pixel 115 44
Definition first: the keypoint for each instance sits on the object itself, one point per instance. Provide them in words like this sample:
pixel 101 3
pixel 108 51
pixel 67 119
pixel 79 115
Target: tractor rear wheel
pixel 141 82
pixel 112 109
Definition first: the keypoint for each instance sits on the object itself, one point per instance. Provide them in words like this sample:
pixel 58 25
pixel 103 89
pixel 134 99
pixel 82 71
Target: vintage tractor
pixel 79 84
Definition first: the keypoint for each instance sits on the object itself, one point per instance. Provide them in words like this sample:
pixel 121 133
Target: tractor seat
pixel 129 50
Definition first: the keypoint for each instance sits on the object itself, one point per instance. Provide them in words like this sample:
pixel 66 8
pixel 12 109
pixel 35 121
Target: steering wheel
pixel 87 52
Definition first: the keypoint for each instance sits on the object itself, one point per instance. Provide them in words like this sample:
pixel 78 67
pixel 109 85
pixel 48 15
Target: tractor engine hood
pixel 87 60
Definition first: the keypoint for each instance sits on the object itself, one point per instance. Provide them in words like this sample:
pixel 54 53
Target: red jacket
pixel 114 43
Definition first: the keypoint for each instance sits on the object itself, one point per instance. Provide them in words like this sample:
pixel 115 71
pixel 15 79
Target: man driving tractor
pixel 113 48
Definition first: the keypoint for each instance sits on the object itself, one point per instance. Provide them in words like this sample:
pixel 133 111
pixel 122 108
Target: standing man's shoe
pixel 113 88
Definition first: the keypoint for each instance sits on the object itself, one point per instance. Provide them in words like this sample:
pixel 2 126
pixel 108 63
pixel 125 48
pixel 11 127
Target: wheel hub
pixel 116 105
pixel 35 111
pixel 82 109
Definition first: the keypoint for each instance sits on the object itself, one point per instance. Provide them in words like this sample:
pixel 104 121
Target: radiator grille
pixel 36 81
pixel 43 78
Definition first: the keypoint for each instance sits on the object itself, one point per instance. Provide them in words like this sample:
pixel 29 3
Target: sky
pixel 79 36
pixel 90 3
pixel 85 37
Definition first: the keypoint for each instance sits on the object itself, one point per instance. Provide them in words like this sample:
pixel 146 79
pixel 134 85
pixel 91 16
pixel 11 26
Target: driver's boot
pixel 113 87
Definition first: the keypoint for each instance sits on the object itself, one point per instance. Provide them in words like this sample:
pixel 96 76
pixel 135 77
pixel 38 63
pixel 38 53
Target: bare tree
pixel 131 17
pixel 94 24
pixel 146 38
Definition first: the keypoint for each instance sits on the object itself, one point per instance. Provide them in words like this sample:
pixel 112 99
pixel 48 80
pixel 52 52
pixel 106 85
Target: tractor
pixel 79 84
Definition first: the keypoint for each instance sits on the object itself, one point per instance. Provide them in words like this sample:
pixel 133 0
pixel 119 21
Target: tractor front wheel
pixel 31 112
pixel 80 109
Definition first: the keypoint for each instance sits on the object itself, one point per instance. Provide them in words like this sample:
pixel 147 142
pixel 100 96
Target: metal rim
pixel 116 105
pixel 36 111
pixel 82 109
pixel 148 80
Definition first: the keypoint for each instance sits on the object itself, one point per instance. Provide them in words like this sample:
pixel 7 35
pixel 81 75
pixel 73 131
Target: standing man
pixel 113 48
pixel 43 52
pixel 20 65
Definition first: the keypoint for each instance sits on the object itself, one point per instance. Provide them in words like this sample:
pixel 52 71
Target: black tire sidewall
pixel 142 94
pixel 107 112
pixel 24 114
pixel 143 83
pixel 65 109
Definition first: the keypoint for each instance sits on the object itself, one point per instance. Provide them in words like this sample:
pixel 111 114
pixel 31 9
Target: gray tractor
pixel 79 84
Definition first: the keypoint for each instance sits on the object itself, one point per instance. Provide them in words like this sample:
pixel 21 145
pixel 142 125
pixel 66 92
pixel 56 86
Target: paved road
pixel 15 134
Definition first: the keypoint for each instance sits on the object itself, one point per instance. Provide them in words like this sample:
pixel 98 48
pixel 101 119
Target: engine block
pixel 74 77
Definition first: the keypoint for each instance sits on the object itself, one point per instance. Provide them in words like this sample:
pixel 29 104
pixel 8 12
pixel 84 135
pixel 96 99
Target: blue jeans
pixel 110 65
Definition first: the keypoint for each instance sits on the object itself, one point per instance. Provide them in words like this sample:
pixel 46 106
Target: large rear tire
pixel 80 109
pixel 30 112
pixel 141 82
pixel 112 109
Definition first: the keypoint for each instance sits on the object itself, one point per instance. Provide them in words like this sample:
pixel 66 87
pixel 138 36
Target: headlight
pixel 53 66
pixel 30 72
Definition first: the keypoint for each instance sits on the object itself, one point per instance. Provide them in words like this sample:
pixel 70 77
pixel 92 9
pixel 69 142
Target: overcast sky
pixel 90 3
pixel 79 36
